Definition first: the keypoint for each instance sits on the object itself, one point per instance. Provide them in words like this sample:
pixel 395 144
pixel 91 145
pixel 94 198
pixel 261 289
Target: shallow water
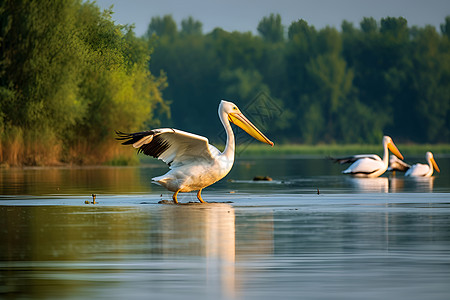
pixel 310 233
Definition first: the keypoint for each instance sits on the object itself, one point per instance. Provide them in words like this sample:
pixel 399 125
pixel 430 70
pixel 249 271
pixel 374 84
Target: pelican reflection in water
pixel 370 185
pixel 196 231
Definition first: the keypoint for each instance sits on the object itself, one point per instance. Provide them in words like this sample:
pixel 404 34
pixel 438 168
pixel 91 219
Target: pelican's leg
pixel 199 196
pixel 174 197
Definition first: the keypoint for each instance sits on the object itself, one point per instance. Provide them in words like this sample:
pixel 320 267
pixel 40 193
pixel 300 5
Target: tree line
pixel 70 77
pixel 334 86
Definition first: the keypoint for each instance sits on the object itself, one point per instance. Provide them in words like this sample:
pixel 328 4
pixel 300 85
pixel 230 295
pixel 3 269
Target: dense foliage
pixel 352 85
pixel 68 78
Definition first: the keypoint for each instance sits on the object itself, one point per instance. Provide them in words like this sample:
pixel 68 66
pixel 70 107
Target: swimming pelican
pixel 194 163
pixel 396 164
pixel 370 165
pixel 422 170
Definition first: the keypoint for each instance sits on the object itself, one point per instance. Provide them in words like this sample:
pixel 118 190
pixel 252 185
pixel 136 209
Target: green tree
pixel 427 112
pixel 39 76
pixel 271 29
pixel 299 50
pixel 348 86
pixel 190 26
pixel 164 26
pixel 193 82
pixel 68 78
pixel 379 58
pixel 445 28
pixel 369 26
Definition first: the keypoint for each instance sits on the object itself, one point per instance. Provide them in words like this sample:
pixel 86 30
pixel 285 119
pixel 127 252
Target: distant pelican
pixel 194 164
pixel 370 165
pixel 396 164
pixel 421 170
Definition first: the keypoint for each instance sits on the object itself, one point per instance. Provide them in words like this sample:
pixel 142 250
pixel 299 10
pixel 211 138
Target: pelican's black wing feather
pixel 169 145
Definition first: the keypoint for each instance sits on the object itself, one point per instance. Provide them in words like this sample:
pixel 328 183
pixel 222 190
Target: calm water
pixel 311 233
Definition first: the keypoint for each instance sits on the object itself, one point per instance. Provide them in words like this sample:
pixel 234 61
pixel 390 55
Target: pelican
pixel 370 165
pixel 194 163
pixel 396 164
pixel 422 170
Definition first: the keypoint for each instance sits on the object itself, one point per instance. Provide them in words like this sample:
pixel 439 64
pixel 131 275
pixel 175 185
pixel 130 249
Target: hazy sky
pixel 244 15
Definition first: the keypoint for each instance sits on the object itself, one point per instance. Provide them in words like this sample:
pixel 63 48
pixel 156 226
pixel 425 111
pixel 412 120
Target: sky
pixel 244 15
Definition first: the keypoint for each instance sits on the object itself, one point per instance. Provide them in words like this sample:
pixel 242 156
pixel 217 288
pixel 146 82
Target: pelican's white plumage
pixel 370 165
pixel 396 164
pixel 194 163
pixel 422 170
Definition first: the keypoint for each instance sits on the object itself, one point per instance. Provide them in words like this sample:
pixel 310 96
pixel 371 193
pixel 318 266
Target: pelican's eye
pixel 234 108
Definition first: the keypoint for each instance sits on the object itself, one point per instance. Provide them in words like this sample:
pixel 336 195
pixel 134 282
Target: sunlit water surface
pixel 310 233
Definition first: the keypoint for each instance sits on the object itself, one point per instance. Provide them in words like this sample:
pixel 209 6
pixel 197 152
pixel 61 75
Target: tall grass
pixel 44 148
pixel 20 147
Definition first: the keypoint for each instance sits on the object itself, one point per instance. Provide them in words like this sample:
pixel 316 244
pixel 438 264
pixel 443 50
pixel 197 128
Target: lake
pixel 310 233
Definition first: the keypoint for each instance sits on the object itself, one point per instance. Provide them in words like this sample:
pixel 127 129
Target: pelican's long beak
pixel 394 150
pixel 240 120
pixel 435 166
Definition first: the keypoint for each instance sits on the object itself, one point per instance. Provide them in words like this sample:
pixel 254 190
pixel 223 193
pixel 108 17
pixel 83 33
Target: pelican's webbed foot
pixel 174 197
pixel 199 196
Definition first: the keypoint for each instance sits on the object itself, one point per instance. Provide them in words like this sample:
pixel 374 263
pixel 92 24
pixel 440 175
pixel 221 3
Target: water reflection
pixel 195 230
pixel 87 180
pixel 424 183
pixel 396 184
pixel 52 236
pixel 392 184
pixel 290 175
pixel 281 246
pixel 276 240
pixel 370 185
pixel 416 184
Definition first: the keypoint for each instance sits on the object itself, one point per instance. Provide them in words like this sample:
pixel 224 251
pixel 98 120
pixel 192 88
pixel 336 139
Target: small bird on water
pixel 93 200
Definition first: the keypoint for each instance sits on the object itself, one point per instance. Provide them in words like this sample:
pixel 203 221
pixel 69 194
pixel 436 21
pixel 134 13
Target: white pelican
pixel 370 165
pixel 422 170
pixel 396 164
pixel 194 164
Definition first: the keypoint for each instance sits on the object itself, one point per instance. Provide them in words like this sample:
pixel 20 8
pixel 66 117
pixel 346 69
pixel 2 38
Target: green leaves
pixel 69 77
pixel 335 86
pixel 271 29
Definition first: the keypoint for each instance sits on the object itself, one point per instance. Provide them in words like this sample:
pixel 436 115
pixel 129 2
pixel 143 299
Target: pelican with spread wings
pixel 194 163
pixel 370 165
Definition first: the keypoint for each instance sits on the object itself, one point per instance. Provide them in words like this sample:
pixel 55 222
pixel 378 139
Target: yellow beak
pixel 240 120
pixel 394 150
pixel 435 166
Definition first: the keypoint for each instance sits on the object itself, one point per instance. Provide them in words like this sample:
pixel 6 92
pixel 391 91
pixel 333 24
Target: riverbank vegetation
pixel 348 85
pixel 70 77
